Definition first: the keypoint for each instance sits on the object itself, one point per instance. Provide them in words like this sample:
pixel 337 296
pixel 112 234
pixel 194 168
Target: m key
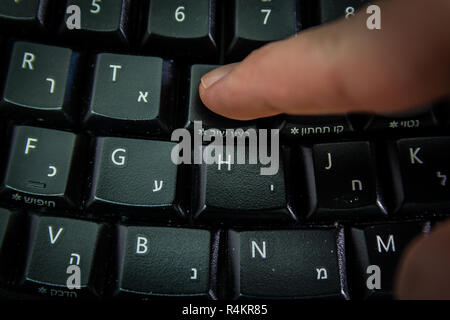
pixel 39 84
pixel 41 167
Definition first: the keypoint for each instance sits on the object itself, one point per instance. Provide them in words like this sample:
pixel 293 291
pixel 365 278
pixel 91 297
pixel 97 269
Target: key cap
pixel 331 10
pixel 24 17
pixel 242 191
pixel 128 94
pixel 294 127
pixel 6 225
pixel 422 120
pixel 345 180
pixel 101 23
pixel 164 262
pixel 136 176
pixel 39 84
pixel 42 168
pixel 63 258
pixel 198 112
pixel 287 264
pixel 184 28
pixel 255 23
pixel 381 246
pixel 421 167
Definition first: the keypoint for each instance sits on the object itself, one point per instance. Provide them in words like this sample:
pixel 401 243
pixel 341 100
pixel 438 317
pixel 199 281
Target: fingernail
pixel 213 76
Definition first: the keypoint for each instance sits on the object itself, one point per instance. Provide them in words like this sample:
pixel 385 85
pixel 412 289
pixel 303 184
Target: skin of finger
pixel 342 67
pixel 423 271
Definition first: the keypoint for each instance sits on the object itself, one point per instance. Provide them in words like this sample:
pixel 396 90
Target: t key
pixel 134 175
pixel 61 260
pixel 39 82
pixel 421 169
pixel 41 168
pixel 126 94
pixel 345 179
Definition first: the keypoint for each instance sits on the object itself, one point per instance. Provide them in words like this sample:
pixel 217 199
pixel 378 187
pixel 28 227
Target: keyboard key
pixel 39 83
pixel 295 127
pixel 24 17
pixel 137 176
pixel 287 264
pixel 164 262
pixel 127 94
pixel 102 23
pixel 184 28
pixel 345 181
pixel 421 168
pixel 234 191
pixel 331 10
pixel 62 258
pixel 42 168
pixel 257 22
pixel 381 246
pixel 424 120
pixel 6 227
pixel 198 112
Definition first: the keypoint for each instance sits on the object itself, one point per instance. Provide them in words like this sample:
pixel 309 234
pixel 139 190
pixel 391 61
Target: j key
pixel 228 188
pixel 61 259
pixel 311 126
pixel 137 175
pixel 164 262
pixel 287 264
pixel 127 93
pixel 345 180
pixel 198 111
pixel 42 166
pixel 104 22
pixel 24 17
pixel 181 27
pixel 39 83
pixel 331 10
pixel 422 120
pixel 257 22
pixel 421 174
pixel 382 246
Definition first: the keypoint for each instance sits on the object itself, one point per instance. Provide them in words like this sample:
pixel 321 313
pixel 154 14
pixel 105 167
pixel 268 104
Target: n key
pixel 41 168
pixel 39 84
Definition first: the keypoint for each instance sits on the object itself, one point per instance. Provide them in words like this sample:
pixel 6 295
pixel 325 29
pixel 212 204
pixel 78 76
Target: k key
pixel 421 173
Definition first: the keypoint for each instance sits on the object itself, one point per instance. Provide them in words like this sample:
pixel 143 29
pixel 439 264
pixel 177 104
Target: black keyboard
pixel 93 207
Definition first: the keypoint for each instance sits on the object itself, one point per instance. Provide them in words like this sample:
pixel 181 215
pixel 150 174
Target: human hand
pixel 345 67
